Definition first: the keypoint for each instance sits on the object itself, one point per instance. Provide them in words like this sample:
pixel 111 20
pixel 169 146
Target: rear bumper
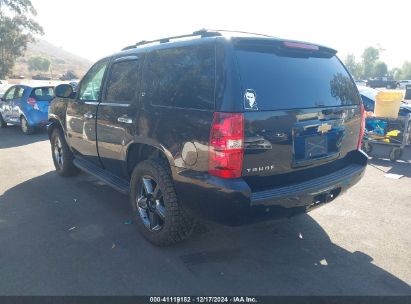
pixel 232 202
pixel 37 118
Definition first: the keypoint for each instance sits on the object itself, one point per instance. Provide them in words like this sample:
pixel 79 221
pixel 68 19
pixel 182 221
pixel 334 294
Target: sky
pixel 94 29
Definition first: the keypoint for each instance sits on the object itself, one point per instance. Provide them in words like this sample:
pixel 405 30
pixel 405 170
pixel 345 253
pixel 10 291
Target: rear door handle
pixel 89 115
pixel 125 119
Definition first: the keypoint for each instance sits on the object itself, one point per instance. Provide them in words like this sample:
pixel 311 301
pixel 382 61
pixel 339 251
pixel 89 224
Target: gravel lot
pixel 69 237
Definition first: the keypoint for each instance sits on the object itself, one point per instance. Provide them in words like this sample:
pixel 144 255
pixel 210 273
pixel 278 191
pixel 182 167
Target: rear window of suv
pixel 294 80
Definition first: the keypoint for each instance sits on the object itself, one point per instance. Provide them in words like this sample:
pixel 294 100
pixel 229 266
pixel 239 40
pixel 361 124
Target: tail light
pixel 226 145
pixel 362 128
pixel 303 46
pixel 31 101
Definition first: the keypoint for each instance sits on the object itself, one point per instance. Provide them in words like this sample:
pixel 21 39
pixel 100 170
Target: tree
pixel 69 75
pixel 406 70
pixel 395 73
pixel 17 29
pixel 39 64
pixel 369 58
pixel 353 66
pixel 380 69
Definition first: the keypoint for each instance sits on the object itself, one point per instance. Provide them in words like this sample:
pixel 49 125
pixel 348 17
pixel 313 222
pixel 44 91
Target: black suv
pixel 233 130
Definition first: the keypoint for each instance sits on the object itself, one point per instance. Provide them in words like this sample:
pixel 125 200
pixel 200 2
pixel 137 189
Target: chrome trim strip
pixel 125 120
pixel 111 104
pixel 124 105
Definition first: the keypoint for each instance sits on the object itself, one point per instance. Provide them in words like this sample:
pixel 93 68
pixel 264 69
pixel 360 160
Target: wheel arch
pixel 54 122
pixel 22 115
pixel 138 152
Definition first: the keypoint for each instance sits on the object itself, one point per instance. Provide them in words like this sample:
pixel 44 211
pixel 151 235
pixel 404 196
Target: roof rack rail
pixel 203 33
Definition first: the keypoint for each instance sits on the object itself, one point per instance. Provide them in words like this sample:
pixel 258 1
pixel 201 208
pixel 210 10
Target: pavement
pixel 71 237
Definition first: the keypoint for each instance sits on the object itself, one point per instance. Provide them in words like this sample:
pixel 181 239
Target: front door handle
pixel 125 119
pixel 89 115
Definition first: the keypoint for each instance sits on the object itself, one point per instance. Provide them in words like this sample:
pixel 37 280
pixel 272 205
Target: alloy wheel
pixel 24 125
pixel 58 152
pixel 150 204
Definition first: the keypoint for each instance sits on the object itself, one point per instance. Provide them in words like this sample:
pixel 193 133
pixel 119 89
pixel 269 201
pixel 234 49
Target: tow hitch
pixel 324 198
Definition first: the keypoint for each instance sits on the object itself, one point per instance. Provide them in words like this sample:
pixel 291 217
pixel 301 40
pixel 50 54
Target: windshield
pixel 281 81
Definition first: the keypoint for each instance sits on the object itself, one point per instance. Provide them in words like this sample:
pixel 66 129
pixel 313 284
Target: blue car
pixel 26 106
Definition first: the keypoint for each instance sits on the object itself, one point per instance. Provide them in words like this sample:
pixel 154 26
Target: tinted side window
pixel 123 81
pixel 91 84
pixel 181 77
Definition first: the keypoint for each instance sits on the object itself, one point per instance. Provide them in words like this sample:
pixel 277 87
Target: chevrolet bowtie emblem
pixel 325 128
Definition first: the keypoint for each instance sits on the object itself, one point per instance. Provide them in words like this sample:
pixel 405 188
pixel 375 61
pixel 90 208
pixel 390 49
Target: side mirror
pixel 64 91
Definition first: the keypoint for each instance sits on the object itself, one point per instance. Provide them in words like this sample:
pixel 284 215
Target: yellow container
pixel 387 103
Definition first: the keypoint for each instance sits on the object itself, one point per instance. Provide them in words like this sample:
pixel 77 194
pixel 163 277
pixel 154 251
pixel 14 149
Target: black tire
pixel 408 142
pixel 3 123
pixel 25 127
pixel 367 148
pixel 174 225
pixel 395 154
pixel 62 156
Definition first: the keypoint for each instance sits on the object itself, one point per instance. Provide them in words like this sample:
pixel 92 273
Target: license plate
pixel 316 146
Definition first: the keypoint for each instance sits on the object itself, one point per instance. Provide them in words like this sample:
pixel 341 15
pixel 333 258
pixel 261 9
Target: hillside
pixel 61 60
